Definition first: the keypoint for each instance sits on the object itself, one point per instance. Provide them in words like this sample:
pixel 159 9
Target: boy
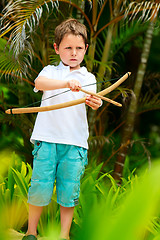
pixel 60 136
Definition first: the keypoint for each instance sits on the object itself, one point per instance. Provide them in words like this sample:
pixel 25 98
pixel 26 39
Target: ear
pixel 86 47
pixel 56 48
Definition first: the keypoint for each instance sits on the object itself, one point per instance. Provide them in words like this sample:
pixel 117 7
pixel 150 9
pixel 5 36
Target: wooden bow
pixel 74 102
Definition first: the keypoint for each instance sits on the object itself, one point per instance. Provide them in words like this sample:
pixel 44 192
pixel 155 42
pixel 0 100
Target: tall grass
pixel 108 211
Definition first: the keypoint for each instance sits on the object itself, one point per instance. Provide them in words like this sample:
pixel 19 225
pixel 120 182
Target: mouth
pixel 73 60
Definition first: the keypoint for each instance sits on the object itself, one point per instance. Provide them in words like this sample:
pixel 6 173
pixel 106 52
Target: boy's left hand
pixel 93 102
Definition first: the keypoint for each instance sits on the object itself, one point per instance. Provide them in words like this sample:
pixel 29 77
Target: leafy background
pixel 120 189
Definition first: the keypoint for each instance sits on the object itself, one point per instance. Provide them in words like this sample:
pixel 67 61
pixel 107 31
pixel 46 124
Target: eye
pixel 79 48
pixel 68 47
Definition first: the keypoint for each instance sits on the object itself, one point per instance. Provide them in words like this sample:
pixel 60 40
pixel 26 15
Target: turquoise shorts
pixel 60 162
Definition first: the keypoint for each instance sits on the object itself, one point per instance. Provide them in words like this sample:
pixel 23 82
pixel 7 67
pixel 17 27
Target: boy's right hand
pixel 74 85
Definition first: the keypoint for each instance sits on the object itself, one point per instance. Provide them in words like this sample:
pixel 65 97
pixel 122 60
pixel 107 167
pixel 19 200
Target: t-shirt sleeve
pixel 45 72
pixel 91 83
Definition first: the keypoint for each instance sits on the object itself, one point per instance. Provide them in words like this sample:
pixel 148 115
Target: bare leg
pixel 33 219
pixel 66 220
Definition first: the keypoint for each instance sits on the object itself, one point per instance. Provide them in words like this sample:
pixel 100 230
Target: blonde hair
pixel 70 26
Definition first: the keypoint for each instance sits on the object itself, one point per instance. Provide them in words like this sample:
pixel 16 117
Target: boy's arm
pixel 45 84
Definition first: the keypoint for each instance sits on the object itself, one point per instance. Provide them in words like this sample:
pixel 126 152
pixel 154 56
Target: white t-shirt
pixel 66 125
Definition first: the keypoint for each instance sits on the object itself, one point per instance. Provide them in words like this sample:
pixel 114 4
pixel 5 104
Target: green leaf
pixel 21 182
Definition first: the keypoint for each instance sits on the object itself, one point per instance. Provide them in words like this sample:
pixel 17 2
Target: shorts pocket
pixel 83 154
pixel 37 146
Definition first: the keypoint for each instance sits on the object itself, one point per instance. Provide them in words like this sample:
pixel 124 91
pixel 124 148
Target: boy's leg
pixel 71 167
pixel 41 189
pixel 66 221
pixel 33 219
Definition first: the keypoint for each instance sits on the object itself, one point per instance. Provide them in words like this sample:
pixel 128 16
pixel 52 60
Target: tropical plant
pixel 13 192
pixel 109 211
pixel 131 114
pixel 133 205
pixel 134 216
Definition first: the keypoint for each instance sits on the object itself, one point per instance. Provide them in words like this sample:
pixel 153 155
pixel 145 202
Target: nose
pixel 74 52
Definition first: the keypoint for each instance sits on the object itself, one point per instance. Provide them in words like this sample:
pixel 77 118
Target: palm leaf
pixel 126 33
pixel 23 23
pixel 148 10
pixel 98 141
pixel 11 65
pixel 150 96
pixel 149 103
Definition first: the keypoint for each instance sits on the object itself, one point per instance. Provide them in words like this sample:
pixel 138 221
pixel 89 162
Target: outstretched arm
pixel 45 84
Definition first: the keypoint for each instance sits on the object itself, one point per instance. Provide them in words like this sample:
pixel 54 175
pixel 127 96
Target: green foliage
pixel 129 211
pixel 106 209
pixel 13 208
pixel 128 33
pixel 11 65
pixel 50 218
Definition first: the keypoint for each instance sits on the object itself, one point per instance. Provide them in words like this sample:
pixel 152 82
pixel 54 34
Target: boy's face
pixel 71 50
